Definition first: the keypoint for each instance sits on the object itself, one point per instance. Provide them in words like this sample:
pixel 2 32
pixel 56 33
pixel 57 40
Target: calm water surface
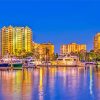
pixel 51 84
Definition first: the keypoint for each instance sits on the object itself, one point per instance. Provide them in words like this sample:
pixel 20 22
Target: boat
pixel 4 64
pixel 69 60
pixel 90 63
pixel 46 63
pixel 17 63
pixel 98 62
pixel 8 61
pixel 31 61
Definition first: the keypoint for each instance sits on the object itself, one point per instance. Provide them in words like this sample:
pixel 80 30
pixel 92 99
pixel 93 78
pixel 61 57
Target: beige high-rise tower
pixel 15 39
pixel 97 42
pixel 6 40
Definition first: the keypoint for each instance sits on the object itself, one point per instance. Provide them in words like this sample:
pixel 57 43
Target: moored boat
pixel 8 61
pixel 98 62
pixel 17 64
pixel 4 65
pixel 69 60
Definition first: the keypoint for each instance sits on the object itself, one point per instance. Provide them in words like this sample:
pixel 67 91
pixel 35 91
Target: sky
pixel 56 21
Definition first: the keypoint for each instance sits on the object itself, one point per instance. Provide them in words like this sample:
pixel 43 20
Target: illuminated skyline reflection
pixel 50 84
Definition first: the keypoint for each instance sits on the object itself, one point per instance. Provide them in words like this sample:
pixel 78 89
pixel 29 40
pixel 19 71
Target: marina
pixel 49 50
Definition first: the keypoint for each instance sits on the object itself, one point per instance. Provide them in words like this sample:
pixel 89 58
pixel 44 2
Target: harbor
pixel 49 50
pixel 8 63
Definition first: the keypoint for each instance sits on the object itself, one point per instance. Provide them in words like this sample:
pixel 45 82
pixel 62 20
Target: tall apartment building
pixel 73 47
pixel 97 42
pixel 15 39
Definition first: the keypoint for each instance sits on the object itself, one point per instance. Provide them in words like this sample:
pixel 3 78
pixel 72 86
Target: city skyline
pixel 21 27
pixel 49 49
pixel 60 22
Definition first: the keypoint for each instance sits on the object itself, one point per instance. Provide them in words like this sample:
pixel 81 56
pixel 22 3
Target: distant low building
pixel 45 50
pixel 97 42
pixel 73 47
pixel 35 46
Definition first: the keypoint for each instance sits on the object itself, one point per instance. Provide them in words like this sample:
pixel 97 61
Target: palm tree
pixel 98 55
pixel 35 52
pixel 91 56
pixel 16 52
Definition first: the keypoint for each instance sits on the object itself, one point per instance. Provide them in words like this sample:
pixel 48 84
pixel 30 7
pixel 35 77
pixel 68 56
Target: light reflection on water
pixel 51 84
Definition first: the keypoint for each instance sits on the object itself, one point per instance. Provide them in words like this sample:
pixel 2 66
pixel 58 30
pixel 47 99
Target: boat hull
pixel 4 65
pixel 17 65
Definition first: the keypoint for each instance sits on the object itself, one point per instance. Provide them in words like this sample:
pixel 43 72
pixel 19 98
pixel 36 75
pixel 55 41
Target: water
pixel 50 84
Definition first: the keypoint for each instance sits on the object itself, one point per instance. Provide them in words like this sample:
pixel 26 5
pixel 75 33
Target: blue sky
pixel 60 22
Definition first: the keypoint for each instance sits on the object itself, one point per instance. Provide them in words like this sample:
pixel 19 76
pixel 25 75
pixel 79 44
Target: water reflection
pixel 91 81
pixel 51 84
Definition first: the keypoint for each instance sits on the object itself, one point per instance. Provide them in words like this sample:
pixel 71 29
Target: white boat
pixel 30 63
pixel 98 62
pixel 32 60
pixel 68 60
pixel 28 58
pixel 46 63
pixel 90 63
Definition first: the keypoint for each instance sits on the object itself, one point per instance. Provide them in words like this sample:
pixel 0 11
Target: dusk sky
pixel 60 22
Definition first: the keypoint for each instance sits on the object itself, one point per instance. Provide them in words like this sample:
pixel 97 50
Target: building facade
pixel 73 47
pixel 15 39
pixel 97 42
pixel 45 50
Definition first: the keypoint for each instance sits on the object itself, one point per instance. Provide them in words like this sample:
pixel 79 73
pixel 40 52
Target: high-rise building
pixel 6 40
pixel 0 45
pixel 15 39
pixel 73 47
pixel 97 42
